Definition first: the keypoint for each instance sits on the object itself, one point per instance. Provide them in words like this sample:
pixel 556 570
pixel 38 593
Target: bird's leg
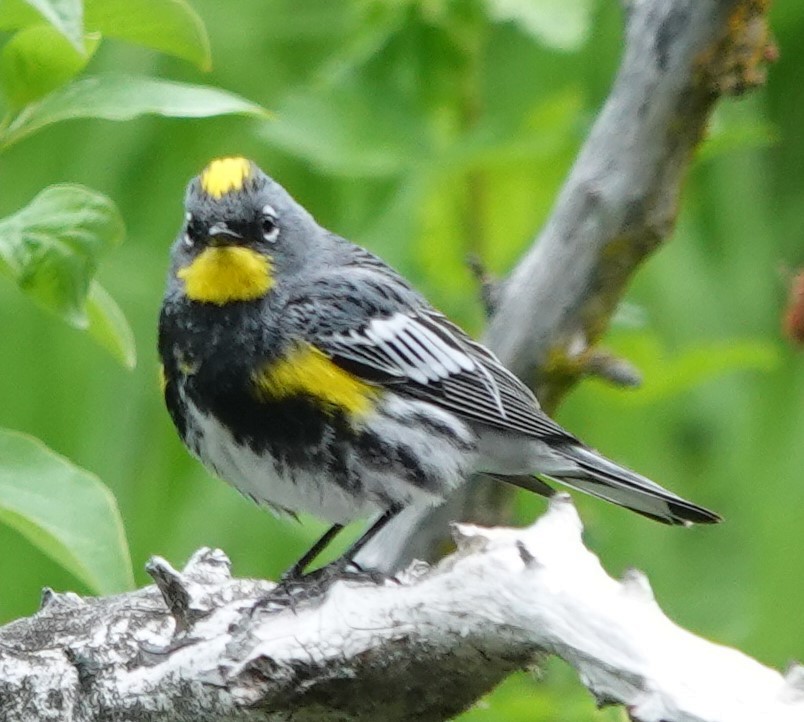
pixel 294 583
pixel 370 533
pixel 296 586
pixel 296 572
pixel 345 566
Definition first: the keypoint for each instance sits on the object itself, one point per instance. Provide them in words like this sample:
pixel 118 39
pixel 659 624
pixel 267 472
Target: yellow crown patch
pixel 225 175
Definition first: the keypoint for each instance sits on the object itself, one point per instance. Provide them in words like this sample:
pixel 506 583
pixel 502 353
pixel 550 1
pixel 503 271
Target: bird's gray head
pixel 242 230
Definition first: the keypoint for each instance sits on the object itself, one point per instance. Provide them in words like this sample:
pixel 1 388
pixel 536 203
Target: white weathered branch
pixel 420 648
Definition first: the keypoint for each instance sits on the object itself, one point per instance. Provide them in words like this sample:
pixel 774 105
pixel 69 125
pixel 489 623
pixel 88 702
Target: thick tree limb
pixel 422 648
pixel 620 200
pixel 618 204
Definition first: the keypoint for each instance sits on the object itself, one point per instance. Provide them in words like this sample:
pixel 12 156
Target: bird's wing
pixel 420 354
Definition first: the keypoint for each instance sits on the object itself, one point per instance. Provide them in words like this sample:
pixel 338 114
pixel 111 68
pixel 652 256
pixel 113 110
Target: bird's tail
pixel 594 474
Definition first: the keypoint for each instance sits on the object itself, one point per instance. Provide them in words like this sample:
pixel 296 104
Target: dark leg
pixel 370 533
pixel 297 570
pixel 296 586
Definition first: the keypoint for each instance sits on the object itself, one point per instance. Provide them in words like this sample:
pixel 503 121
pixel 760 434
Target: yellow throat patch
pixel 306 371
pixel 225 175
pixel 226 274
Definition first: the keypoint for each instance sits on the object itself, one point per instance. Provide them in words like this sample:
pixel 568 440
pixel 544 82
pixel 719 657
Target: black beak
pixel 220 234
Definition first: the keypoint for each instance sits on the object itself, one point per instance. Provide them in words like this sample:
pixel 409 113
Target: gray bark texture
pixel 428 644
pixel 618 204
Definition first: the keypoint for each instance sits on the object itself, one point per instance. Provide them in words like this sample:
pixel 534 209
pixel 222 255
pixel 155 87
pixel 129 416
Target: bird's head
pixel 241 232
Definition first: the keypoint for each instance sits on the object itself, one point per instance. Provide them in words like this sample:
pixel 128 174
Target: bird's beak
pixel 221 235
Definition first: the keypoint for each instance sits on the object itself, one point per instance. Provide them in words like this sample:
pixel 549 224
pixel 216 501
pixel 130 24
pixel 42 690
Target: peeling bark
pixel 422 647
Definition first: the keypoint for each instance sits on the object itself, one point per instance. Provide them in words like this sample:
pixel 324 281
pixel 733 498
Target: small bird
pixel 311 376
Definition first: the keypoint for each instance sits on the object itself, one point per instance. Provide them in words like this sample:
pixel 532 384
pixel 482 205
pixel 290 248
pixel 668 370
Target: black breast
pixel 210 355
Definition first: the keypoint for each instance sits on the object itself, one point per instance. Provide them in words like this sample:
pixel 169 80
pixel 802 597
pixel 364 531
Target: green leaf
pixel 39 59
pixel 170 26
pixel 64 15
pixel 64 511
pixel 559 24
pixel 109 327
pixel 51 246
pixel 123 97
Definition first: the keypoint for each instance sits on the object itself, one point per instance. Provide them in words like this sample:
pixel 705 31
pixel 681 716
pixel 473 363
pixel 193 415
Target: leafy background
pixel 425 129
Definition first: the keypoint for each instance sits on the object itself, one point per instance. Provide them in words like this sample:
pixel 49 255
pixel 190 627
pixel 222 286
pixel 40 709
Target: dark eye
pixel 269 224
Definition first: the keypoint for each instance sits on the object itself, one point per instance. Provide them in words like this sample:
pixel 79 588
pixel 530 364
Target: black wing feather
pixel 372 324
pixel 422 355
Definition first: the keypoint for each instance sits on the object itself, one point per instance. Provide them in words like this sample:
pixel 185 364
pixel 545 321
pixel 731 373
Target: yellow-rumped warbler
pixel 307 373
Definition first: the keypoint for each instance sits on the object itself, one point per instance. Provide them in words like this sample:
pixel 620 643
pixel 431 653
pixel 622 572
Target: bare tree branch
pixel 618 204
pixel 620 200
pixel 420 648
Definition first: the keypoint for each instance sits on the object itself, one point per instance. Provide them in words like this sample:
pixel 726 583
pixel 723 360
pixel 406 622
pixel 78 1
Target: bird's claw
pixel 295 588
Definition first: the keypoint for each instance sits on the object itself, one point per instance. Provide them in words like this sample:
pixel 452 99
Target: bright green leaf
pixel 171 26
pixel 51 246
pixel 109 327
pixel 64 511
pixel 560 24
pixel 629 315
pixel 396 223
pixel 123 97
pixel 362 37
pixel 64 15
pixel 39 59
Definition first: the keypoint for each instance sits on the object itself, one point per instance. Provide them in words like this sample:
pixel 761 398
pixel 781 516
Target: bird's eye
pixel 269 224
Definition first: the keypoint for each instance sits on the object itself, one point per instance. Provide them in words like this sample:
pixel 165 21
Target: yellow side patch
pixel 162 378
pixel 225 175
pixel 226 274
pixel 308 372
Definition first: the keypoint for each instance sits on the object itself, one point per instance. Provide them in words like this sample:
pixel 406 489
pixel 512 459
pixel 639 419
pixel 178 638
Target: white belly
pixel 257 477
pixel 380 484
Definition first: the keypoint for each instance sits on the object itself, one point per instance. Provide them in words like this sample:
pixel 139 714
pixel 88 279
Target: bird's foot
pixel 296 588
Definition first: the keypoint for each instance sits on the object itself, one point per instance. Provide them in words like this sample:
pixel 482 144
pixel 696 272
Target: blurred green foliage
pixel 51 247
pixel 428 129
